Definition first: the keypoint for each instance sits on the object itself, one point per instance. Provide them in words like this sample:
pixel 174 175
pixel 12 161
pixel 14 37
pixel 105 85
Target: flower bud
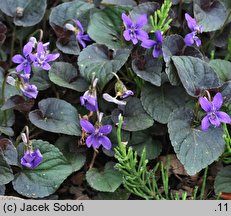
pixel 70 27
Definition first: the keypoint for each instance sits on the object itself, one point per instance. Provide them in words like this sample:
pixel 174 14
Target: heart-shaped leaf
pixel 159 102
pixel 40 79
pixel 6 173
pixel 105 27
pixel 223 181
pixel 135 117
pixel 9 90
pixel 141 140
pixel 64 13
pixel 119 2
pixel 195 74
pixel 24 12
pixel 195 149
pixel 222 68
pixel 174 45
pixel 226 91
pixel 65 75
pixel 147 8
pixel 99 60
pixel 67 11
pixel 57 116
pixel 119 194
pixel 6 122
pixel 9 151
pixel 211 15
pixel 46 178
pixel 106 181
pixel 2 189
pixel 76 157
pixel 148 69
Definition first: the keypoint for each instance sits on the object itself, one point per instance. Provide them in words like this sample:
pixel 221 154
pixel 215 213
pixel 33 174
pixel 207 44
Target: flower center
pixel 132 32
pixel 212 115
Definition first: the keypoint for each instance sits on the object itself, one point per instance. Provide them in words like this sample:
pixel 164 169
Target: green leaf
pixel 174 45
pixel 106 27
pixel 222 68
pixel 135 117
pixel 106 181
pixel 67 11
pixel 100 60
pixel 223 181
pixel 64 13
pixel 226 91
pixel 65 75
pixel 46 178
pixel 32 11
pixel 159 102
pixel 147 8
pixel 195 74
pixel 57 116
pixel 9 90
pixel 210 15
pixel 119 194
pixel 119 2
pixel 6 173
pixel 76 157
pixel 141 140
pixel 40 79
pixel 196 149
pixel 71 47
pixel 9 151
pixel 149 71
pixel 2 189
pixel 6 122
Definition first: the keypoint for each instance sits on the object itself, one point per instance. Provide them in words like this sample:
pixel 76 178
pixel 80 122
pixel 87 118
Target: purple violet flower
pixel 41 58
pixel 24 61
pixel 29 91
pixel 127 94
pixel 192 24
pixel 89 101
pixel 155 44
pixel 192 38
pixel 97 135
pixel 80 36
pixel 134 31
pixel 32 159
pixel 214 116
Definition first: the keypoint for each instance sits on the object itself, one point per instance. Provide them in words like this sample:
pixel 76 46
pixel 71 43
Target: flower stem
pixel 93 159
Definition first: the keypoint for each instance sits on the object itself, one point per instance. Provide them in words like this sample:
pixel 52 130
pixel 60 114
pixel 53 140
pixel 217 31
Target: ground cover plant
pixel 112 99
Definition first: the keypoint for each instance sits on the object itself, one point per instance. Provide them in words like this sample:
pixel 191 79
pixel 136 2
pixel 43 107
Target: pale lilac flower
pixel 24 138
pixel 192 38
pixel 155 44
pixel 134 31
pixel 24 61
pixel 32 159
pixel 29 91
pixel 42 57
pixel 80 36
pixel 214 116
pixel 89 100
pixel 96 136
pixel 111 99
pixel 127 93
